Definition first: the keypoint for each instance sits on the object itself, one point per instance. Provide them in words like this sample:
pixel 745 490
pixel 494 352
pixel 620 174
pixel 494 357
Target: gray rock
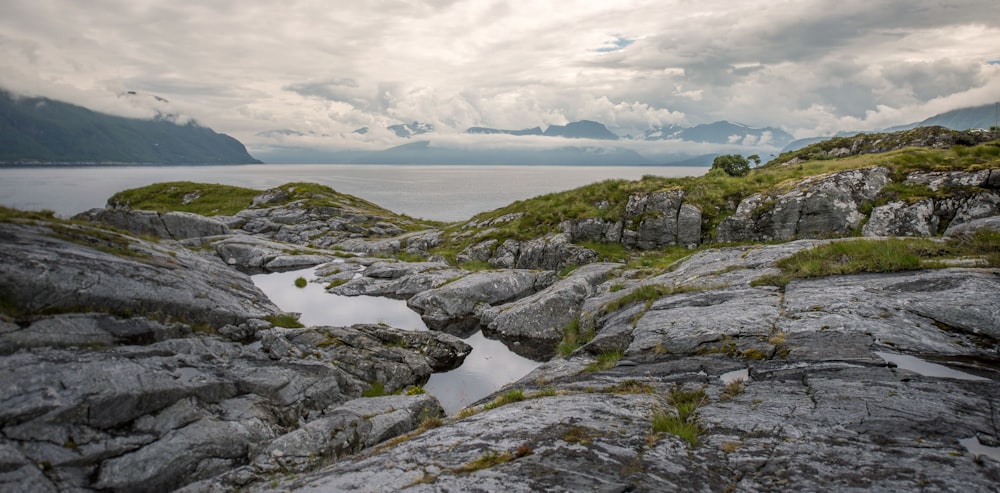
pixel 817 207
pixel 988 223
pixel 550 252
pixel 663 220
pixel 537 321
pixel 902 219
pixel 175 225
pixel 451 307
pixel 62 268
pixel 978 206
pixel 938 180
pixel 88 331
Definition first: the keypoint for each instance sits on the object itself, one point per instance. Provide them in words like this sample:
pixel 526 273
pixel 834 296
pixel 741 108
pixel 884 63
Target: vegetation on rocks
pixel 884 255
pixel 682 421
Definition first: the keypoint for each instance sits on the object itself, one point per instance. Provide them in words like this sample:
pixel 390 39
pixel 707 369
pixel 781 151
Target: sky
pixel 311 72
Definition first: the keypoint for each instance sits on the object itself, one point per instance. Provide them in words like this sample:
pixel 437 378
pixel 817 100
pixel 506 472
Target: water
pixel 486 369
pixel 443 193
pixel 926 368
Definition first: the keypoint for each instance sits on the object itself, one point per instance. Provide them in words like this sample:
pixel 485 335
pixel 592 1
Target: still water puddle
pixel 488 367
pixel 926 368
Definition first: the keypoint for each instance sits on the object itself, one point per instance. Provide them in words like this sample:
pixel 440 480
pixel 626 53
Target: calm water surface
pixel 488 367
pixel 443 193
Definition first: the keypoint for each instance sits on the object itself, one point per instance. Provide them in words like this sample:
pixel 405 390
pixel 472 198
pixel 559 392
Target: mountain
pixel 722 132
pixel 422 152
pixel 407 130
pixel 41 130
pixel 583 129
pixel 488 131
pixel 984 117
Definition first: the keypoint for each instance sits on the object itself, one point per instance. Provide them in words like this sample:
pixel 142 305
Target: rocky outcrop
pixel 130 365
pixel 651 221
pixel 452 307
pixel 56 267
pixel 550 252
pixel 173 225
pixel 817 207
pixel 533 326
pixel 826 392
pixel 254 253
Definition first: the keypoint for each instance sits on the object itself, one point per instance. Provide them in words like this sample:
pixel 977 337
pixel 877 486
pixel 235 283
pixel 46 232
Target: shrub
pixel 300 282
pixel 732 164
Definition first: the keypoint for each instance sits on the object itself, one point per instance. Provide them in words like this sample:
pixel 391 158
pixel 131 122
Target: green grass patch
pixel 376 389
pixel 608 252
pixel 682 422
pixel 286 320
pixel 889 255
pixel 573 338
pixel 630 387
pixel 300 282
pixel 511 396
pixel 336 282
pixel 489 459
pixel 606 360
pixel 185 196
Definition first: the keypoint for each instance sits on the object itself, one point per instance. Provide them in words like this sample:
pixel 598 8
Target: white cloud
pixel 327 69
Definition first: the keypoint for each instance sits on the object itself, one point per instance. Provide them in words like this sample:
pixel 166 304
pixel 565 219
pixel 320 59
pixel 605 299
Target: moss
pixel 336 282
pixel 286 320
pixel 489 459
pixel 300 282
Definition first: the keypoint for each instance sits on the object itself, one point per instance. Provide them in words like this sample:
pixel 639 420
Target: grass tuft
pixel 606 360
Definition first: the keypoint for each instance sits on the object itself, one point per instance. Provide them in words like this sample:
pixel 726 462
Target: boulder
pixel 817 207
pixel 550 252
pixel 451 307
pixel 71 268
pixel 903 219
pixel 537 321
pixel 174 225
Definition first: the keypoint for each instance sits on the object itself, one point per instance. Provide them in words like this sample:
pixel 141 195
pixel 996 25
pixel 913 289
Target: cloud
pixel 324 71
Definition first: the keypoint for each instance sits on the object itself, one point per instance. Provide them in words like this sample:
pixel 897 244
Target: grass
pixel 683 421
pixel 573 338
pixel 300 282
pixel 733 389
pixel 889 255
pixel 286 320
pixel 511 396
pixel 489 459
pixel 713 193
pixel 376 389
pixel 648 293
pixel 606 360
pixel 211 199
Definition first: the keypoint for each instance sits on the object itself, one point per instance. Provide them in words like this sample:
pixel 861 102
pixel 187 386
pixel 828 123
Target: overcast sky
pixel 326 68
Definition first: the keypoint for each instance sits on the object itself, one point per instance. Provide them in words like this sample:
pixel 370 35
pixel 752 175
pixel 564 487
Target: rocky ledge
pixel 135 365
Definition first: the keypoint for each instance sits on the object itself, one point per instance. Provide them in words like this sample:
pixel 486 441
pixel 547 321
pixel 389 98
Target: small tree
pixel 755 158
pixel 732 164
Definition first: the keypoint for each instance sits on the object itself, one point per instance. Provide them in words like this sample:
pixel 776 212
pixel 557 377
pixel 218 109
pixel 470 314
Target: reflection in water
pixel 925 368
pixel 488 367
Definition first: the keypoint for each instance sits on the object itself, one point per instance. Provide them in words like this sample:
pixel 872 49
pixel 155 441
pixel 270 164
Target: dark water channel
pixel 488 367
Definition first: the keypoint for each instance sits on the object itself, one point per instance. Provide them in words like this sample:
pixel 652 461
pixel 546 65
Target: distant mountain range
pixel 43 131
pixel 984 117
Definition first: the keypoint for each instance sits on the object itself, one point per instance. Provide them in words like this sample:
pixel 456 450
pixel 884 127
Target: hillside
pixel 43 131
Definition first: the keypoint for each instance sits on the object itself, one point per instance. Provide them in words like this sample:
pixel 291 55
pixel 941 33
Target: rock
pixel 818 404
pixel 537 321
pixel 551 252
pixel 978 206
pixel 663 220
pixel 988 223
pixel 88 330
pixel 938 180
pixel 902 219
pixel 175 225
pixel 71 268
pixel 817 207
pixel 451 307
